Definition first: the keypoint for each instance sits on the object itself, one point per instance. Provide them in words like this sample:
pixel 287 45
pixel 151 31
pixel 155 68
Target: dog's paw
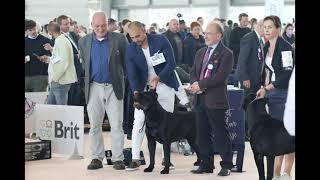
pixel 165 171
pixel 197 163
pixel 148 169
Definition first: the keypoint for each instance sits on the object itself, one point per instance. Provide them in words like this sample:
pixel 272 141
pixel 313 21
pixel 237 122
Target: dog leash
pixel 144 123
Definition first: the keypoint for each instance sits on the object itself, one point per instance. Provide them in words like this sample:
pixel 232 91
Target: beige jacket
pixel 61 67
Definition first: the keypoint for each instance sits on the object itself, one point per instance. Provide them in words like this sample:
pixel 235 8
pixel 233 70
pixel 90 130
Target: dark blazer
pixel 249 65
pixel 282 74
pixel 74 37
pixel 215 87
pixel 190 49
pixel 235 35
pixel 137 67
pixel 169 35
pixel 117 44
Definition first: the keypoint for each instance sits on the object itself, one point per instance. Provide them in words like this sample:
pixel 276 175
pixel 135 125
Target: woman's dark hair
pixel 285 29
pixel 275 19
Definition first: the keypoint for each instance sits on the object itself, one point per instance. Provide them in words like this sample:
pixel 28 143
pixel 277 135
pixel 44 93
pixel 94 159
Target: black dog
pixel 165 127
pixel 268 136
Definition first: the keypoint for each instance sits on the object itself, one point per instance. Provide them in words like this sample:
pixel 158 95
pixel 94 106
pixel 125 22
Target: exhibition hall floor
pixel 60 168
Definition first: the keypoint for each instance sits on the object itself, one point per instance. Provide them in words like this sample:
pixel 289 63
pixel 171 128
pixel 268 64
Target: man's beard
pixel 141 42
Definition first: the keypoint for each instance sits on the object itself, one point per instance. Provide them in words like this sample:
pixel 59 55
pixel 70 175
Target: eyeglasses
pixel 209 33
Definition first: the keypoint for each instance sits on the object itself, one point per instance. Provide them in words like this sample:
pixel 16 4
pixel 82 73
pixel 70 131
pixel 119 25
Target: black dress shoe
pixel 95 164
pixel 202 170
pixel 224 172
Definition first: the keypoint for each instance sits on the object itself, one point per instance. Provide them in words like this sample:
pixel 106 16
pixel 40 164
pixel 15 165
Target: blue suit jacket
pixel 137 68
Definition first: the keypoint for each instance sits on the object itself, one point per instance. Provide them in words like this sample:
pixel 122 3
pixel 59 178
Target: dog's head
pixel 258 105
pixel 145 100
pixel 255 109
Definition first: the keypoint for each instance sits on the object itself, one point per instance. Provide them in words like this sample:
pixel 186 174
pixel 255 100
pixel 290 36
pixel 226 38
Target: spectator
pixel 76 97
pixel 104 88
pixel 156 27
pixel 230 24
pixel 152 30
pixel 235 25
pixel 79 31
pixel 253 22
pixel 83 29
pixel 125 24
pixel 279 63
pixel 236 34
pixel 61 68
pixel 201 21
pixel 112 25
pixel 45 31
pixel 193 42
pixel 226 33
pixel 288 34
pixel 250 63
pixel 183 29
pixel 176 40
pixel 36 72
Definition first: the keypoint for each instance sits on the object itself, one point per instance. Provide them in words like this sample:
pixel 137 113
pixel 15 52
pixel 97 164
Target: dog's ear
pixel 155 95
pixel 136 95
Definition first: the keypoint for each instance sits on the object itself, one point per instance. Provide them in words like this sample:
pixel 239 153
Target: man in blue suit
pixel 150 64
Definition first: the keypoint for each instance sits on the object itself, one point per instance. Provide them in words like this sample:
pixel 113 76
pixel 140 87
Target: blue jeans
pixel 58 93
pixel 276 101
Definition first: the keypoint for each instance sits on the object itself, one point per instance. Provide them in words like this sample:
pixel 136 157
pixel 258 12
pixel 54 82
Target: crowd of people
pixel 101 69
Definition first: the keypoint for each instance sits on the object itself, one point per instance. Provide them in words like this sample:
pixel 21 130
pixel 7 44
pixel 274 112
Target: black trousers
pixel 212 122
pixel 128 110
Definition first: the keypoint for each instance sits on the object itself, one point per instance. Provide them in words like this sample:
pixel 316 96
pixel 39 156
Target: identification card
pixel 287 60
pixel 55 58
pixel 157 58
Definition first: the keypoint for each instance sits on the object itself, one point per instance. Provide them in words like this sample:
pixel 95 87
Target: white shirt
pixel 151 72
pixel 289 117
pixel 269 64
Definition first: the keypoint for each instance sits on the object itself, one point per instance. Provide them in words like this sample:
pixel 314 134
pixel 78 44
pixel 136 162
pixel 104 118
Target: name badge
pixel 157 58
pixel 55 58
pixel 287 60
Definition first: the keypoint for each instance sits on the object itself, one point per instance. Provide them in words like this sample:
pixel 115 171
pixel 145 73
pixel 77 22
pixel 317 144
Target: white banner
pixel 63 125
pixel 38 98
pixel 274 7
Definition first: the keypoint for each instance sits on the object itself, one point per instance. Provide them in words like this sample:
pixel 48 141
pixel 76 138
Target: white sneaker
pixel 285 176
pixel 276 178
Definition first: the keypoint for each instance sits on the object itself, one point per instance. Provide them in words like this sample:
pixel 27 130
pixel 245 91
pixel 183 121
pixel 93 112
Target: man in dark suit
pixel 235 36
pixel 250 62
pixel 102 55
pixel 208 77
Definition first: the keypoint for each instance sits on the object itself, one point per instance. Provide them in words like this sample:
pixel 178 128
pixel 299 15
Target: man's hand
pixel 154 82
pixel 44 59
pixel 48 47
pixel 195 87
pixel 246 84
